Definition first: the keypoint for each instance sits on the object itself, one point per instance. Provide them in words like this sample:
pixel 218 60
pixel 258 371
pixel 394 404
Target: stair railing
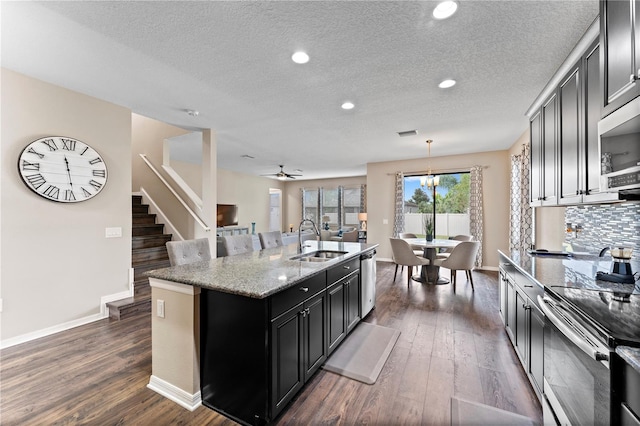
pixel 175 194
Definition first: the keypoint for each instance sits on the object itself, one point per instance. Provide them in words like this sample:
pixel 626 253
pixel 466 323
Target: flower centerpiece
pixel 428 223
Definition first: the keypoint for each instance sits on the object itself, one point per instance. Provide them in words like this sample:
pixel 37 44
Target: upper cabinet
pixel 620 53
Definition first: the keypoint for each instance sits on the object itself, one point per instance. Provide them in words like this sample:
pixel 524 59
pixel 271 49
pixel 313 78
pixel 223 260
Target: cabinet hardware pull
pixel 305 289
pixel 528 286
pixel 632 78
pixel 303 313
pixel 307 311
pixel 347 267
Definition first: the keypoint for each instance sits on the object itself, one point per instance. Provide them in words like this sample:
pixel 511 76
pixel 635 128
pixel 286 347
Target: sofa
pixel 348 234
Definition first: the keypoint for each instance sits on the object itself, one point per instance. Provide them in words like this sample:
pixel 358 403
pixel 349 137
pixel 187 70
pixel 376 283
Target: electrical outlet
pixel 160 308
pixel 385 221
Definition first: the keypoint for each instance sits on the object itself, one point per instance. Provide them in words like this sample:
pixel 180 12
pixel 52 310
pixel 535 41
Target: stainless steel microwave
pixel 619 136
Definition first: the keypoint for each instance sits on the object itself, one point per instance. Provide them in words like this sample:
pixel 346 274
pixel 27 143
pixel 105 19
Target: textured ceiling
pixel 231 62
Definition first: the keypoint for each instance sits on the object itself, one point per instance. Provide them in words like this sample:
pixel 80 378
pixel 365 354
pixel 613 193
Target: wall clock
pixel 62 169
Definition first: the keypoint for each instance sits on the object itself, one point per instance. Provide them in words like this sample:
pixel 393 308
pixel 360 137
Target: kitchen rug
pixel 465 412
pixel 363 354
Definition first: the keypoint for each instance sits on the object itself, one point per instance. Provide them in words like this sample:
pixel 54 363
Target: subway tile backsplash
pixel 604 225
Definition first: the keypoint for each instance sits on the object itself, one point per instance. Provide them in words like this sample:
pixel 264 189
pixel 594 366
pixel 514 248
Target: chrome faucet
pixel 315 228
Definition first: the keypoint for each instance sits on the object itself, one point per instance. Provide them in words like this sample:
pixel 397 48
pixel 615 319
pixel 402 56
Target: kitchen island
pixel 259 325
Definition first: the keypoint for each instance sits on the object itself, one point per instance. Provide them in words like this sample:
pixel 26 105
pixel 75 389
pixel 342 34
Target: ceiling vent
pixel 407 133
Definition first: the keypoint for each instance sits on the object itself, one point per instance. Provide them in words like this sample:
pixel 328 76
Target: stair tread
pixel 130 301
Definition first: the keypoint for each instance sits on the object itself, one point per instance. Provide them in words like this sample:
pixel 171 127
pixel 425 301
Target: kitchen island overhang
pixel 241 300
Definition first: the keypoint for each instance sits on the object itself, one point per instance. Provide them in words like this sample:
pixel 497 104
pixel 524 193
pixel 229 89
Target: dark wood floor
pixel 451 344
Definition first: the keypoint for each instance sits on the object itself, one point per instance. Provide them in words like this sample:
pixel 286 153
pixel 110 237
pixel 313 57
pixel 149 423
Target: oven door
pixel 576 368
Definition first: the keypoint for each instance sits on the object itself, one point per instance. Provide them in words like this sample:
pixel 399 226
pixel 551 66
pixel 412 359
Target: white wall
pixel 56 261
pixel 381 193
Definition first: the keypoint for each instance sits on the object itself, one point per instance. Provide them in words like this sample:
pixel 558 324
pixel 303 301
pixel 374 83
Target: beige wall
pixel 251 194
pixel 381 190
pixel 549 221
pixel 191 174
pixel 293 195
pixel 56 261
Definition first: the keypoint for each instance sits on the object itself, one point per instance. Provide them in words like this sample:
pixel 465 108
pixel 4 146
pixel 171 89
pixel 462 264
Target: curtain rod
pixel 438 171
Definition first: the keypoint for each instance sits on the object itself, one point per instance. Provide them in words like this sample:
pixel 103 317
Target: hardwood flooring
pixel 450 344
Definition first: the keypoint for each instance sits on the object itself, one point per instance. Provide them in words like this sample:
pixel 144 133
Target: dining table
pixel 431 273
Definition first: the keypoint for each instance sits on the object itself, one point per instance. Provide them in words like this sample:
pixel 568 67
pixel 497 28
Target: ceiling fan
pixel 282 175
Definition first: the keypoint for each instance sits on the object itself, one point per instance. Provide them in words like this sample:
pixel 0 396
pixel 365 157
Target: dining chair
pixel 270 239
pixel 417 250
pixel 404 255
pixel 237 244
pixel 462 258
pixel 445 252
pixel 188 251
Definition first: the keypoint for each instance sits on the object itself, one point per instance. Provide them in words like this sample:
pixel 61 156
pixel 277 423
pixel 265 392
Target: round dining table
pixel 430 273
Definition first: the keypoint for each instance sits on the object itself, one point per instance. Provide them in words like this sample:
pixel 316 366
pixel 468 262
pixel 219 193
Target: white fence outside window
pixel 447 224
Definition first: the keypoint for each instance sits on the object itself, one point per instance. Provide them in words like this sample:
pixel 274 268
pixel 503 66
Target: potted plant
pixel 428 226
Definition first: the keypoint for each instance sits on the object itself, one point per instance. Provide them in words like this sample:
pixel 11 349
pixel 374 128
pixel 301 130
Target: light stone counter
pixel 258 274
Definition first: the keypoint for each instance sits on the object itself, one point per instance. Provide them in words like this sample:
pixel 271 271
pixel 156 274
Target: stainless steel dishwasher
pixel 368 277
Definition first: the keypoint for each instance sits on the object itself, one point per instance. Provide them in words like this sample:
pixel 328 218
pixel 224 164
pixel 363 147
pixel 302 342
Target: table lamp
pixel 362 217
pixel 325 220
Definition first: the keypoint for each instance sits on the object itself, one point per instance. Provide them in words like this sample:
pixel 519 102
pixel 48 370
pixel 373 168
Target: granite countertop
pixel 259 274
pixel 630 355
pixel 573 280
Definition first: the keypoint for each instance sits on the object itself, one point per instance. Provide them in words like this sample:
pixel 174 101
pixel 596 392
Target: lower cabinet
pixel 298 348
pixel 256 354
pixel 625 390
pixel 524 322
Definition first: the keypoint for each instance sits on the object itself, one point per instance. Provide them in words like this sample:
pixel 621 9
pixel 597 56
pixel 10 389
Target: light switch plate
pixel 385 221
pixel 160 308
pixel 113 232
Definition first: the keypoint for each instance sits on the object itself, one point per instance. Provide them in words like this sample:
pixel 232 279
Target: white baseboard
pixel 153 208
pixel 49 330
pixel 104 313
pixel 175 394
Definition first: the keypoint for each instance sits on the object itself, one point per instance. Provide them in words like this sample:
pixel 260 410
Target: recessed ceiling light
pixel 300 58
pixel 193 112
pixel 348 105
pixel 447 83
pixel 445 9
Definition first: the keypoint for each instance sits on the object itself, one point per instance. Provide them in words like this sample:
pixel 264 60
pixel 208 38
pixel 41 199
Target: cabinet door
pixel 337 320
pixel 286 358
pixel 315 333
pixel 549 144
pixel 521 327
pixel 536 346
pixel 536 158
pixel 511 311
pixel 619 55
pixel 592 115
pixel 352 292
pixel 503 296
pixel 570 138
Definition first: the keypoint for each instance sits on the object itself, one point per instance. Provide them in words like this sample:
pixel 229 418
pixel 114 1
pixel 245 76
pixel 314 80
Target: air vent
pixel 408 133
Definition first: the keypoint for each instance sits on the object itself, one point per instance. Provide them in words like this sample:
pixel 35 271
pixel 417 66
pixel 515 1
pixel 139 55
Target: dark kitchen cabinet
pixel 579 162
pixel 337 320
pixel 544 139
pixel 625 392
pixel 620 43
pixel 298 348
pixel 352 292
pixel 524 322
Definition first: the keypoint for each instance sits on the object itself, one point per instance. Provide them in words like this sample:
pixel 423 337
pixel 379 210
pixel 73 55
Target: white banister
pixel 175 194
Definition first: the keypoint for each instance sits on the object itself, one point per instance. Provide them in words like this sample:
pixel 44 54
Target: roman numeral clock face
pixel 62 169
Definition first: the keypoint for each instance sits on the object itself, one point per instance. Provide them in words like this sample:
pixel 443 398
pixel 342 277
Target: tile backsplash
pixel 603 225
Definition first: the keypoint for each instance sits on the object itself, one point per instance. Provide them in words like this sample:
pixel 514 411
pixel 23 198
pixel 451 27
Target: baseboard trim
pixel 175 394
pixel 49 330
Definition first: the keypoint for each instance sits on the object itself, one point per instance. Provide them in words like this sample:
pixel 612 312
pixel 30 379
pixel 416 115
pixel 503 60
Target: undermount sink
pixel 318 256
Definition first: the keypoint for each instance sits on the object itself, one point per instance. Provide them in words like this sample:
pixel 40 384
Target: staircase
pixel 148 251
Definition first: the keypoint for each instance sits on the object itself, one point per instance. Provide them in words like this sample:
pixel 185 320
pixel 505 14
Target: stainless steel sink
pixel 318 256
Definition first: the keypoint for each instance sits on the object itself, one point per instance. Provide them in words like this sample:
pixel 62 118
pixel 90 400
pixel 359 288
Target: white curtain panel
pixel 398 220
pixel 476 214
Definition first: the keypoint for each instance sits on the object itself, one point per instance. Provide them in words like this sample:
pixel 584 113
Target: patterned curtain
pixel 398 220
pixel 521 215
pixel 476 220
pixel 363 198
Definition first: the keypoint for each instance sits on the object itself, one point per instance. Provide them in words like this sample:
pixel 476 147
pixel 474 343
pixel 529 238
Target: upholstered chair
pixel 350 236
pixel 462 258
pixel 417 250
pixel 445 252
pixel 404 255
pixel 188 251
pixel 237 244
pixel 270 239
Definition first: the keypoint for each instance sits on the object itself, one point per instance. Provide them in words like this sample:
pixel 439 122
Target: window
pixel 451 206
pixel 341 205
